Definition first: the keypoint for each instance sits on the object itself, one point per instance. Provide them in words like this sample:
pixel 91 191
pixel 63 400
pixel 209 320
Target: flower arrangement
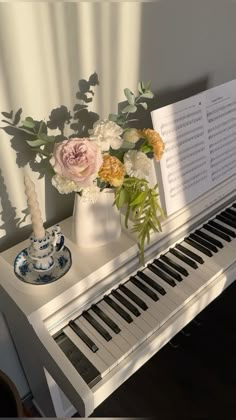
pixel 110 153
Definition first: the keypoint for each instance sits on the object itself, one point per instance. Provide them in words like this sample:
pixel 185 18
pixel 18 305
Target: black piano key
pixel 173 264
pixel 223 229
pixel 118 309
pixel 162 275
pixel 167 270
pixel 209 238
pixel 205 244
pixel 91 345
pixel 198 246
pixel 190 254
pixel 217 232
pixel 229 215
pixel 133 297
pixel 232 212
pixel 110 323
pixel 234 205
pixel 89 373
pixel 226 220
pixel 145 289
pixel 126 303
pixel 98 327
pixel 183 258
pixel 151 282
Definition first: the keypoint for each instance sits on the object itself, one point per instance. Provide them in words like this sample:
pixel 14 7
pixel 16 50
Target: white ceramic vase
pixel 95 224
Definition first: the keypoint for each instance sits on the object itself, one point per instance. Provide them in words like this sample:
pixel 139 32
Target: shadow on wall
pixel 11 224
pixel 33 142
pixel 167 97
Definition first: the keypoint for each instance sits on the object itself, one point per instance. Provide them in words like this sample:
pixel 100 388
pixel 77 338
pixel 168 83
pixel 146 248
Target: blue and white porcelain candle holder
pixel 45 260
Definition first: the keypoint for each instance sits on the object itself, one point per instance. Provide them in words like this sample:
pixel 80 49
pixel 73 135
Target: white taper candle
pixel 33 205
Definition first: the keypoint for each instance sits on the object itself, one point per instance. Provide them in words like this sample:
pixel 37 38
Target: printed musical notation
pixel 200 144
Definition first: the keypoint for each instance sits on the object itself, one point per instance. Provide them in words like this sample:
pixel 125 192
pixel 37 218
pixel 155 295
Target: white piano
pixel 67 373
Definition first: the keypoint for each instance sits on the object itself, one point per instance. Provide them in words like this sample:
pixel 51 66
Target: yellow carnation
pixel 155 140
pixel 112 171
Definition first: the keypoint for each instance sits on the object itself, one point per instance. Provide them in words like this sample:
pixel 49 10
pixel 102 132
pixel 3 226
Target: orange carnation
pixel 155 140
pixel 112 171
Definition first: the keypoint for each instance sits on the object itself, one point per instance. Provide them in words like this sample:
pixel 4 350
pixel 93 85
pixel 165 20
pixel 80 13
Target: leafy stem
pixel 141 201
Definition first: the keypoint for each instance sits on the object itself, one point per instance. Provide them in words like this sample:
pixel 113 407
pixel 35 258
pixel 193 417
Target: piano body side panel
pixel 62 405
pixel 23 337
pixel 37 352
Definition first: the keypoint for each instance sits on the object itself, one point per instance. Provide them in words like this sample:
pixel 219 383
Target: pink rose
pixel 77 159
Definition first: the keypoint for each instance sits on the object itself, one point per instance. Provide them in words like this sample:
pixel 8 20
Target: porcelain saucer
pixel 24 270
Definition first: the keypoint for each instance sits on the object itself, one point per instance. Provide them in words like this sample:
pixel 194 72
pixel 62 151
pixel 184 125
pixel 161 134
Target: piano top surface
pixel 91 266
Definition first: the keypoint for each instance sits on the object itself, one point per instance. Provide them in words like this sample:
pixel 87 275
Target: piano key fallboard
pixel 95 327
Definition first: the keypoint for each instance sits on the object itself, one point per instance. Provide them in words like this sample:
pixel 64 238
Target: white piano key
pixel 94 358
pixel 228 249
pixel 144 321
pixel 200 275
pixel 175 294
pixel 116 338
pixel 172 293
pixel 188 283
pixel 149 320
pixel 126 329
pixel 164 300
pixel 232 244
pixel 215 263
pixel 155 309
pixel 102 352
pixel 109 345
pixel 185 286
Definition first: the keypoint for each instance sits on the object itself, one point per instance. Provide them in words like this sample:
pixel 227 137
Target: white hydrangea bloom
pixel 64 185
pixel 90 194
pixel 131 135
pixel 137 164
pixel 106 134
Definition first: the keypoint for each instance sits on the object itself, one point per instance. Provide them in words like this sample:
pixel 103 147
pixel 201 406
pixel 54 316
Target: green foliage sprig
pixel 136 196
pixel 144 92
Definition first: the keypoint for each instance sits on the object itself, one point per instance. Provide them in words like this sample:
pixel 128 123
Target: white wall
pixel 183 46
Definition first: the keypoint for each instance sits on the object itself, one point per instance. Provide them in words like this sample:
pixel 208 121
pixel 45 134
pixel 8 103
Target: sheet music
pixel 200 144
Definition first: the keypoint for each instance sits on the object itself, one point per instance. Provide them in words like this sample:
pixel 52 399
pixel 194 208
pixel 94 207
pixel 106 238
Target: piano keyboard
pixel 114 326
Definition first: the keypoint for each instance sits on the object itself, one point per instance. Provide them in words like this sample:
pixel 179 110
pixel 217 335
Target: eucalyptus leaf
pixel 143 104
pixel 130 96
pixel 29 123
pixel 148 95
pixel 113 117
pixel 129 108
pixel 35 143
pixel 46 139
pixel 140 88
